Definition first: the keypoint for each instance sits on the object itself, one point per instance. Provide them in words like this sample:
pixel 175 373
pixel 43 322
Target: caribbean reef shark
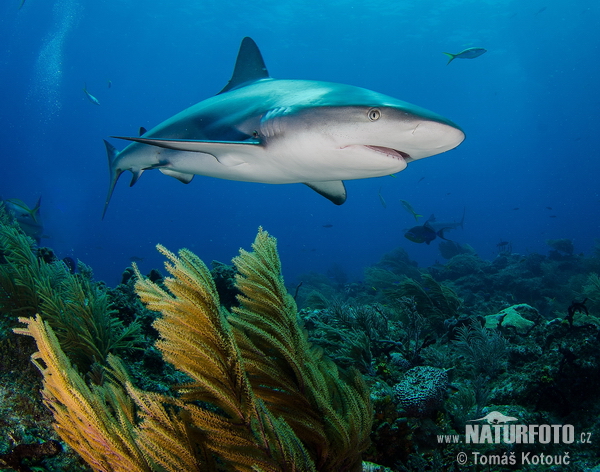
pixel 260 129
pixel 432 229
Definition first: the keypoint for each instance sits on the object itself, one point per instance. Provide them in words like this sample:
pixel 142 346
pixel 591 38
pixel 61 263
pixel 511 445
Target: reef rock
pixel 520 317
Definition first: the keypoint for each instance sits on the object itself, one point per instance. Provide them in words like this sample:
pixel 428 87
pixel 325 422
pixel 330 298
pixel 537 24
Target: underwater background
pixel 527 172
pixel 504 317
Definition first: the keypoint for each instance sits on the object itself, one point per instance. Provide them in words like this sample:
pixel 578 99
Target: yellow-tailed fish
pixel 381 199
pixel 408 207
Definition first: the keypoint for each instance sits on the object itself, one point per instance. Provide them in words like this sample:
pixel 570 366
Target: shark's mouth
pixel 394 153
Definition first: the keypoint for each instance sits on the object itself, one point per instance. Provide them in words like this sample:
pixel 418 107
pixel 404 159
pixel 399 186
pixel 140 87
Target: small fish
pixel 541 10
pixel 328 226
pixel 552 216
pixel 22 3
pixel 408 207
pixel 548 208
pixel 109 84
pixel 515 208
pixel 381 199
pixel 136 259
pixel 420 180
pixel 90 97
pixel 470 53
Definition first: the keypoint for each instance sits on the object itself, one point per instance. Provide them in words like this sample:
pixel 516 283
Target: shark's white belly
pixel 285 165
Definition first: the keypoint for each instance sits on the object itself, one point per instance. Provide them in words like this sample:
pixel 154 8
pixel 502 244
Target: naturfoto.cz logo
pixel 499 428
pixel 496 428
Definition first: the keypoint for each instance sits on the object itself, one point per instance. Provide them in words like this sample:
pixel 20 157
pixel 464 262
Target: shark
pixel 29 219
pixel 283 131
pixel 432 229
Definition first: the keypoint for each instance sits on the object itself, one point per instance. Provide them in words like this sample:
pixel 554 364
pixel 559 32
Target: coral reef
pixel 449 249
pixel 521 318
pixel 77 308
pixel 259 396
pixel 229 373
pixel 422 391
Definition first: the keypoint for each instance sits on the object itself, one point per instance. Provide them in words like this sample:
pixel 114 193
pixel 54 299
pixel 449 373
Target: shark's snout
pixel 428 138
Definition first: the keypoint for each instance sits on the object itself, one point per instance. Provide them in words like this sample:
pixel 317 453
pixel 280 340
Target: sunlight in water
pixel 49 65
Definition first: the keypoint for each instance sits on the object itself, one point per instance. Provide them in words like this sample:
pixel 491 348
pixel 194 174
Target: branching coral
pixel 260 397
pixel 436 302
pixel 76 308
pixel 486 350
pixel 351 334
pixel 592 291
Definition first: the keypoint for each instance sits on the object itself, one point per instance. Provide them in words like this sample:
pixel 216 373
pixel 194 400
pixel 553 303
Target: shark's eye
pixel 374 114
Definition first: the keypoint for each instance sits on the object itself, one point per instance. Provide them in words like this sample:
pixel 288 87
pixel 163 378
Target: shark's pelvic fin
pixel 181 176
pixel 333 190
pixel 249 66
pixel 136 176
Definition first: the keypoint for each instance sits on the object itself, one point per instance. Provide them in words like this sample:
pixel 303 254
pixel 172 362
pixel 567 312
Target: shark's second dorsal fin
pixel 249 66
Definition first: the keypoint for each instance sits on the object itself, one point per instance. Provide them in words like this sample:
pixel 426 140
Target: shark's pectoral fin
pixel 228 153
pixel 333 190
pixel 181 176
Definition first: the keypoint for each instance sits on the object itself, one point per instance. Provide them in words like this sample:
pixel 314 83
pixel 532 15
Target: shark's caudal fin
pixel 462 221
pixel 114 172
pixel 249 66
pixel 35 211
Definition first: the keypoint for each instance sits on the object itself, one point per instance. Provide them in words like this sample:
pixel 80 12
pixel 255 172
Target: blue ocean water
pixel 527 172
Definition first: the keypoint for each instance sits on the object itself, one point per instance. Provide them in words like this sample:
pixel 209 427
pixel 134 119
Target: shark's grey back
pixel 249 66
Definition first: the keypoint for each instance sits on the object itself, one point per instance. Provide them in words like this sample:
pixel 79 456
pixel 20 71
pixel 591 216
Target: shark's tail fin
pixel 35 211
pixel 462 220
pixel 115 172
pixel 452 57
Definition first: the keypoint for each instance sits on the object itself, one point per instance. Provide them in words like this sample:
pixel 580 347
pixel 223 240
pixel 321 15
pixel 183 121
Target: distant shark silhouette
pixel 259 129
pixel 495 417
pixel 29 219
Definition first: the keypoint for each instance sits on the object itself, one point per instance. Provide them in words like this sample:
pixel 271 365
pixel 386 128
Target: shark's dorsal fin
pixel 142 131
pixel 249 66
